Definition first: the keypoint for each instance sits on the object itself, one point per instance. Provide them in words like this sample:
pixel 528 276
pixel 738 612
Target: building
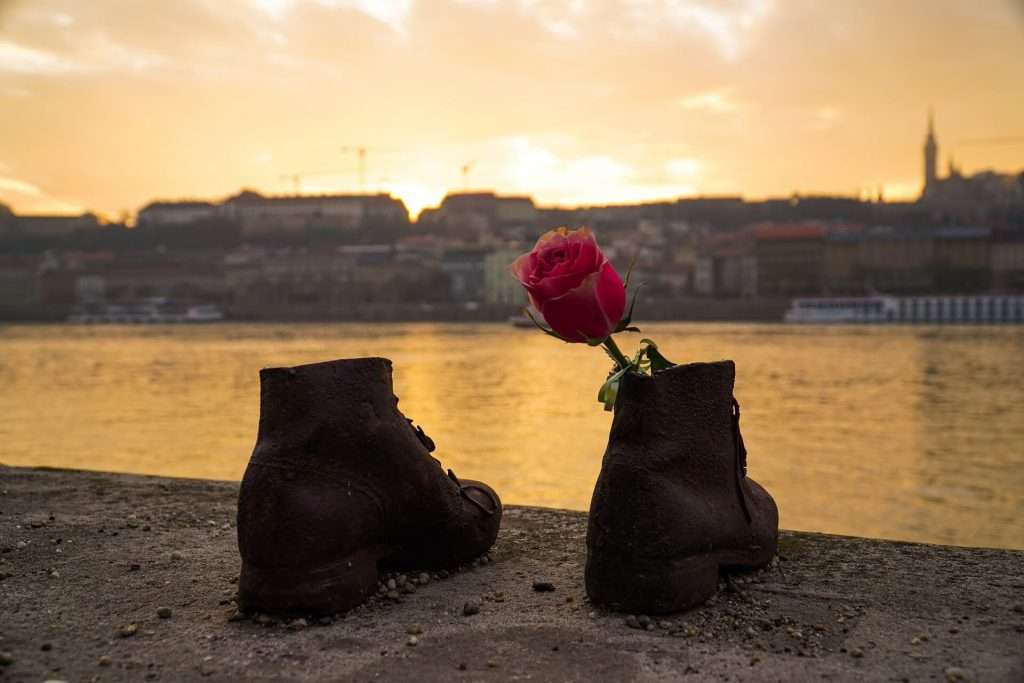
pixel 465 268
pixel 790 258
pixel 499 285
pixel 726 265
pixel 961 260
pixel 841 270
pixel 260 215
pixel 482 217
pixel 160 213
pixel 1007 261
pixel 19 280
pixel 971 197
pixel 48 226
pixel 896 260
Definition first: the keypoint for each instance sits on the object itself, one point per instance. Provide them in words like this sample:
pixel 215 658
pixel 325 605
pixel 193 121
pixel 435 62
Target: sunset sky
pixel 107 104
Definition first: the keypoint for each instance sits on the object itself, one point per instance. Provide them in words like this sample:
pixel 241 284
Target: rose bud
pixel 572 284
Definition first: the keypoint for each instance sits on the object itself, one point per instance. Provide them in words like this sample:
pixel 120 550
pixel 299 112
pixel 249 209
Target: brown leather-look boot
pixel 673 504
pixel 341 485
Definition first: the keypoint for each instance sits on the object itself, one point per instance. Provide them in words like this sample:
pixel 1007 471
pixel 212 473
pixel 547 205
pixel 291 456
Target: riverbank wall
pixel 114 577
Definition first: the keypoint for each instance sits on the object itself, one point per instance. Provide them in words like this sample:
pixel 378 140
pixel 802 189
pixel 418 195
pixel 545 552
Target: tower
pixel 931 157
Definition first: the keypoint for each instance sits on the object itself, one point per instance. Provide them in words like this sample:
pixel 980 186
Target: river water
pixel 913 433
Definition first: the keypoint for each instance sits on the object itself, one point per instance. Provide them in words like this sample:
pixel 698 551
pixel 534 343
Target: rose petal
pixel 591 310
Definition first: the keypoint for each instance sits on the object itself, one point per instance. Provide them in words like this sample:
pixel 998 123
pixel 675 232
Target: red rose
pixel 572 284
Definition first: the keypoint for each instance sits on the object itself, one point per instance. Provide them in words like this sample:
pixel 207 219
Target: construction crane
pixel 361 151
pixel 992 141
pixel 466 168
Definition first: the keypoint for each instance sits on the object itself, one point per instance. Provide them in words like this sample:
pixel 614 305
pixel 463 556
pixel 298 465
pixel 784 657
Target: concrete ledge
pixel 88 558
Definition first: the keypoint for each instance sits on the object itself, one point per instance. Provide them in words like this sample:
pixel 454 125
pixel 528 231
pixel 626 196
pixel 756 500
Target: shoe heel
pixel 651 586
pixel 325 589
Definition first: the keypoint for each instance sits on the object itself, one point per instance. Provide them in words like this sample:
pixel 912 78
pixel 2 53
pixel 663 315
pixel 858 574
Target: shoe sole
pixel 640 586
pixel 326 589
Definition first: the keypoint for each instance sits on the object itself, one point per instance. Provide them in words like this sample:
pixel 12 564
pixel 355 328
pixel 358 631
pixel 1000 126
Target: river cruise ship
pixel 989 309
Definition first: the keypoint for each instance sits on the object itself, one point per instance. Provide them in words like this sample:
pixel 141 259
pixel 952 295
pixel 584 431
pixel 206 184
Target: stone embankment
pixel 108 577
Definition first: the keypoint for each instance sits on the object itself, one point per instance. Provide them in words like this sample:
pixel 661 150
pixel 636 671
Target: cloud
pixel 19 187
pixel 93 54
pixel 715 101
pixel 393 13
pixel 26 60
pixel 684 167
pixel 726 23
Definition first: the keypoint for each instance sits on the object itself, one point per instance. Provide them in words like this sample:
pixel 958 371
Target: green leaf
pixel 629 271
pixel 610 389
pixel 628 318
pixel 658 361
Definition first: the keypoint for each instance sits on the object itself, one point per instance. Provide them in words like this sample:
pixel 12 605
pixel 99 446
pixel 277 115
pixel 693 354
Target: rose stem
pixel 616 352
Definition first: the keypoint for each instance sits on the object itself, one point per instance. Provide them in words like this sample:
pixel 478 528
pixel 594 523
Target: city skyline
pixel 105 108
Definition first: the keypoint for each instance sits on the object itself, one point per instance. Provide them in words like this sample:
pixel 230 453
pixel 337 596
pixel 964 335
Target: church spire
pixel 931 156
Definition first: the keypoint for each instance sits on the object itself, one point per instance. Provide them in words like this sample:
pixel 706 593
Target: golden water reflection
pixel 902 432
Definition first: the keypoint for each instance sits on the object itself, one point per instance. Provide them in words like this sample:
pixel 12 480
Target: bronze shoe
pixel 341 486
pixel 673 505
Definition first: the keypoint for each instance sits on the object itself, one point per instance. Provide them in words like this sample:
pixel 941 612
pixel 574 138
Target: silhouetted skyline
pixel 106 107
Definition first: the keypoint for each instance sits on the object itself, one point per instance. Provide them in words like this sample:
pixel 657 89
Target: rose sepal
pixel 658 362
pixel 546 330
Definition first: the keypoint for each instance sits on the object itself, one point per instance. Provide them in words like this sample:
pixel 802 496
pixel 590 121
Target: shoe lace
pixel 741 459
pixel 428 443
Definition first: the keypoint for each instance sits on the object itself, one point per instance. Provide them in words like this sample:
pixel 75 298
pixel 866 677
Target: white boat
pixel 153 311
pixel 205 313
pixel 947 309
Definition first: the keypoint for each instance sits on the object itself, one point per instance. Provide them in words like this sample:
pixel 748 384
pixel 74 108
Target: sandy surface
pixel 88 559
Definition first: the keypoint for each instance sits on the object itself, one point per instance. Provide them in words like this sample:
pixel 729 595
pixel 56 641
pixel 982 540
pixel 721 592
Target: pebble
pixel 175 555
pixel 543 586
pixel 265 620
pixel 325 621
pixel 164 612
pixel 643 620
pixel 392 584
pixel 393 595
pixel 21 545
pixel 424 578
pixel 6 659
pixel 105 661
pixel 470 608
pixel 297 624
pixel 955 674
pixel 632 622
pixel 413 641
pixel 408 588
pixel 856 653
pixel 128 631
pixel 414 630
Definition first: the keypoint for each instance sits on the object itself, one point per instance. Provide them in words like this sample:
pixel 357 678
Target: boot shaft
pixel 682 420
pixel 340 394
